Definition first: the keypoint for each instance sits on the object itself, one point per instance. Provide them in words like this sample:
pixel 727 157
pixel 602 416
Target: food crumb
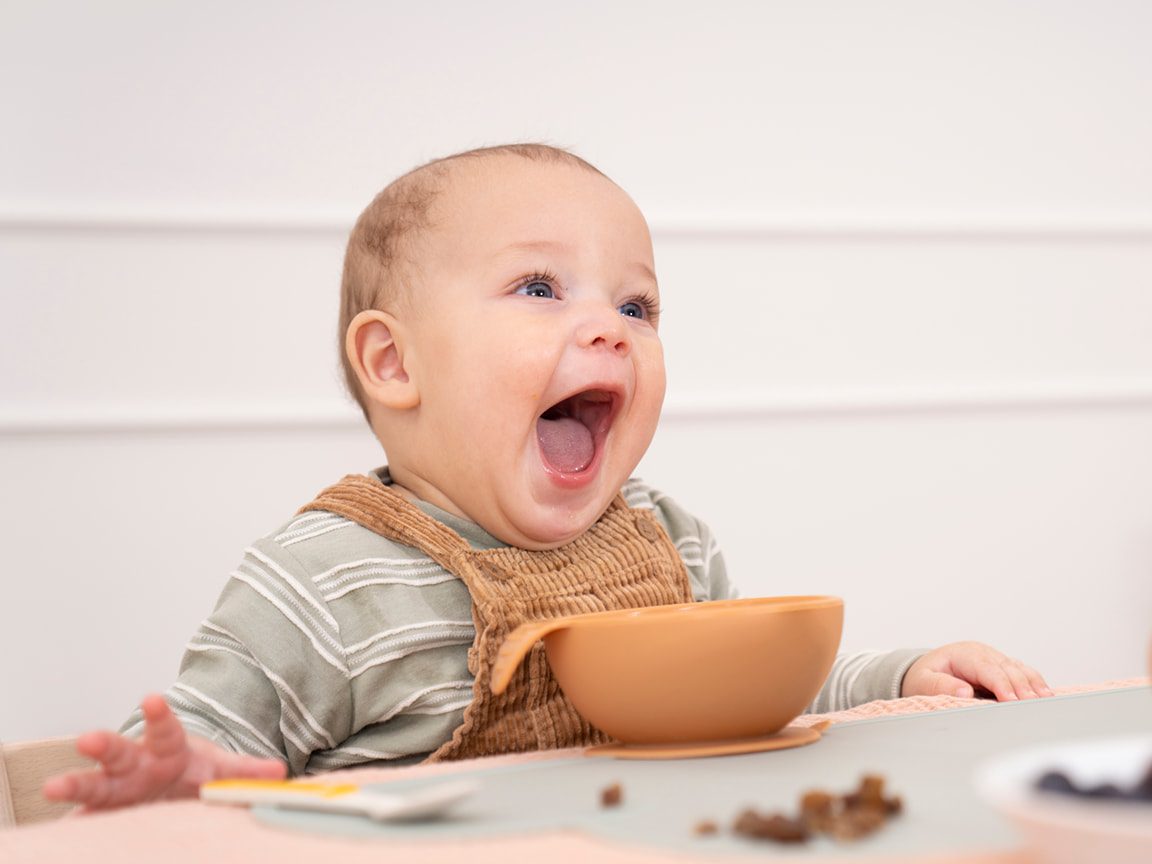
pixel 816 809
pixel 857 822
pixel 706 828
pixel 611 796
pixel 842 817
pixel 776 827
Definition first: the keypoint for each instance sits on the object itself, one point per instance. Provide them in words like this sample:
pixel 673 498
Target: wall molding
pixel 731 407
pixel 922 225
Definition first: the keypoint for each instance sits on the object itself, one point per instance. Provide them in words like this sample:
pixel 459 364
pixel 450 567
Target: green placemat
pixel 928 759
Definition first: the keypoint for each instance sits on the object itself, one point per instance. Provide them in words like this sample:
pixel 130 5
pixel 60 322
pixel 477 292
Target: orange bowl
pixel 691 672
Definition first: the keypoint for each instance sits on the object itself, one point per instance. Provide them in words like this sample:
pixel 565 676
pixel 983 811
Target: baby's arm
pixel 963 668
pixel 165 763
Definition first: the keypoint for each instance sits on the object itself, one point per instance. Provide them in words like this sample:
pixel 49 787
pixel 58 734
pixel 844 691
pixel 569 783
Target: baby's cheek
pixel 651 374
pixel 650 392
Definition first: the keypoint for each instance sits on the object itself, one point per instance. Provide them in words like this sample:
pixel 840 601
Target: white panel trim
pixel 175 221
pixel 832 225
pixel 901 226
pixel 735 406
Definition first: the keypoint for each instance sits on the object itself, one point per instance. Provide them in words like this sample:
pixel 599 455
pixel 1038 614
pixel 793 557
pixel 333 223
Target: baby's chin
pixel 538 537
pixel 527 507
pixel 538 527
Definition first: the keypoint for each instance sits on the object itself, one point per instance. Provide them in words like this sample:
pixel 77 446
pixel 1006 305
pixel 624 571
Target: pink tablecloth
pixel 188 832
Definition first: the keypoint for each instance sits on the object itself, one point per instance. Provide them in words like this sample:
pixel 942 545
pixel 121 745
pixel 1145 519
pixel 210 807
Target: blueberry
pixel 1057 781
pixel 1143 790
pixel 1104 790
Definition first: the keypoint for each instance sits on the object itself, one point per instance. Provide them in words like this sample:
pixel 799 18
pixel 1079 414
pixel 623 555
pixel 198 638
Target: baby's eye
pixel 536 288
pixel 642 308
pixel 632 309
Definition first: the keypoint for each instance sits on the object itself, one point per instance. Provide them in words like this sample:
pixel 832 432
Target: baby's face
pixel 534 349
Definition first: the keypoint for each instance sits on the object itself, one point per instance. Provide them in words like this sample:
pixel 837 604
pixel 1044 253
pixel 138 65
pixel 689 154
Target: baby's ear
pixel 375 346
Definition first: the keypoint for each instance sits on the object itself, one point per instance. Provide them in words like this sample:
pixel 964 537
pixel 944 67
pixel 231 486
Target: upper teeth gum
pixel 595 396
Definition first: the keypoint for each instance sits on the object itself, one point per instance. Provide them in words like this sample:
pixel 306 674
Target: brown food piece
pixel 706 827
pixel 870 795
pixel 817 810
pixel 611 796
pixel 776 826
pixel 816 802
pixel 841 817
pixel 854 823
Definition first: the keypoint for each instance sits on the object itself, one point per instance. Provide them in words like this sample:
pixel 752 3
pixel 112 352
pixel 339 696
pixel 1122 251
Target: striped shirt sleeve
pixel 862 677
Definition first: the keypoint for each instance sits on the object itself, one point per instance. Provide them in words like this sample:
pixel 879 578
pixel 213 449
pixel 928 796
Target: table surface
pixel 927 746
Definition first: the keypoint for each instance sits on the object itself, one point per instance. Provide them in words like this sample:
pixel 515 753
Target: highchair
pixel 24 766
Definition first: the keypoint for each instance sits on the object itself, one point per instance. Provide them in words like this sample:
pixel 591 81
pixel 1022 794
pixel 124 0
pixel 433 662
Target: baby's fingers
pixel 118 758
pixel 943 684
pixel 163 734
pixel 1039 685
pixel 93 789
pixel 1009 681
pixel 117 755
pixel 62 787
pixel 995 679
pixel 1021 681
pixel 1016 686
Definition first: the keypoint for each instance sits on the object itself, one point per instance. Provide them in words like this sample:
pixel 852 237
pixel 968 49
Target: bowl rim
pixel 707 608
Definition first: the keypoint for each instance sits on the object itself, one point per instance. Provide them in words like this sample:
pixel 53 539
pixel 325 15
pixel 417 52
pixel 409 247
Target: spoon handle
pixel 408 805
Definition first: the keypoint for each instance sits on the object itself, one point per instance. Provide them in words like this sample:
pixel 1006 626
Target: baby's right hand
pixel 166 763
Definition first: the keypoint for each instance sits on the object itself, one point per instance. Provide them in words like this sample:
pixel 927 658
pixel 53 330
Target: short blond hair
pixel 378 261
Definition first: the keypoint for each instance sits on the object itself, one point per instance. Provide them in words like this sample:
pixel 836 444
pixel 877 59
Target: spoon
pixel 421 804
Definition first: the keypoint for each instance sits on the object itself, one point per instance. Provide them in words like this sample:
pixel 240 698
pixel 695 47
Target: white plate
pixel 1070 829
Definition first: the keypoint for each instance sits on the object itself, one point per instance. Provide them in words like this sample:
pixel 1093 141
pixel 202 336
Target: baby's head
pixel 498 316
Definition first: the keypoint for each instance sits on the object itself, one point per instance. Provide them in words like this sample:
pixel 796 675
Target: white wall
pixel 905 250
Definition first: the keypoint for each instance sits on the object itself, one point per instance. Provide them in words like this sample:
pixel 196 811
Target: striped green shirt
pixel 333 646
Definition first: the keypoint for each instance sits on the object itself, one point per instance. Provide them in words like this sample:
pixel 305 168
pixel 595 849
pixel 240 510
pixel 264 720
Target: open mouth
pixel 570 432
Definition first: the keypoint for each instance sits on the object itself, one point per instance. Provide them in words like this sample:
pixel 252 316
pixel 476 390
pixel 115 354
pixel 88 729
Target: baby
pixel 500 329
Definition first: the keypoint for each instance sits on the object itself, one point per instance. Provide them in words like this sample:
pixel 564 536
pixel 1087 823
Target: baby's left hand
pixel 960 668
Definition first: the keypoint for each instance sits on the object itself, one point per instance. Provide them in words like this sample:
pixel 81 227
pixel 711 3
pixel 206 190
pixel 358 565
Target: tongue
pixel 566 443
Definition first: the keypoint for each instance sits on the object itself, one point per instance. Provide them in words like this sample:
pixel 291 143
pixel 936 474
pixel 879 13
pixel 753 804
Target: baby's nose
pixel 605 327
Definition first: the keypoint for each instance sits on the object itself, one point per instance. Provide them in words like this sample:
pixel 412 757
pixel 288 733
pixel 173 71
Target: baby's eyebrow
pixel 558 246
pixel 538 246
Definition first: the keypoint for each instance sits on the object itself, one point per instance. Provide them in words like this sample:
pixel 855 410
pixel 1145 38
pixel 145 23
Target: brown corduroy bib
pixel 624 561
